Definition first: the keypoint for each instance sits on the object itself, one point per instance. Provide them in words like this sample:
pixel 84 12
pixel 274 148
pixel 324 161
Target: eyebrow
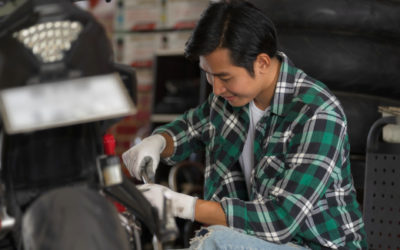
pixel 216 74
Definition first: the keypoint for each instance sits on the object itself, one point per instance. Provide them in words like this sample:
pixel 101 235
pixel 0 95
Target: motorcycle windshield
pixel 64 103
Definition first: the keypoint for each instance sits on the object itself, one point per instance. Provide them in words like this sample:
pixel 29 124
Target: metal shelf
pixel 163 118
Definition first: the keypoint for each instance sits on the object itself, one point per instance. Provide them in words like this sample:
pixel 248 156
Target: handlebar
pixel 169 229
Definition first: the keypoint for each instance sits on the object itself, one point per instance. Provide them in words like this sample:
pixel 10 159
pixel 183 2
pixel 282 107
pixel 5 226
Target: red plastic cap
pixel 120 208
pixel 109 144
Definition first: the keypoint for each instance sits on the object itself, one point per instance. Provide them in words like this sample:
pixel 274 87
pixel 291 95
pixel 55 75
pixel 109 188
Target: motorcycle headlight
pixel 56 104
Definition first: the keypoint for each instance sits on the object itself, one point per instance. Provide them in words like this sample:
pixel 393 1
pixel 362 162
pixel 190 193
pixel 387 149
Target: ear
pixel 262 63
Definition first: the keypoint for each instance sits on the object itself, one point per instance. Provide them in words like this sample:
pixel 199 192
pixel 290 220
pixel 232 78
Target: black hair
pixel 238 26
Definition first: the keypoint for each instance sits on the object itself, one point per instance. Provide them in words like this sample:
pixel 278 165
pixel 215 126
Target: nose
pixel 218 87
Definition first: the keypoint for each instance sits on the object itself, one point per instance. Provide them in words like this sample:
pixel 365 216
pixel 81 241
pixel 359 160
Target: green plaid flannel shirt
pixel 301 185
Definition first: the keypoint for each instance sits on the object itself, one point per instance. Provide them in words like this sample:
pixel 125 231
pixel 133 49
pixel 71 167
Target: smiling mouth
pixel 229 98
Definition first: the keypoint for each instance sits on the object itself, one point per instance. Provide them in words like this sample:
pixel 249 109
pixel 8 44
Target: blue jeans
pixel 220 237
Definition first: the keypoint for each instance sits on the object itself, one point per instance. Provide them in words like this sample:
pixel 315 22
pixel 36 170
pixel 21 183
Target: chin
pixel 239 104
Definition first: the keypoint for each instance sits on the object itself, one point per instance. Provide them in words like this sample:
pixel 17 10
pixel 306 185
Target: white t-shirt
pixel 246 159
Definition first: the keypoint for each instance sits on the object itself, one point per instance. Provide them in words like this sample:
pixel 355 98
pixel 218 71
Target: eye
pixel 225 79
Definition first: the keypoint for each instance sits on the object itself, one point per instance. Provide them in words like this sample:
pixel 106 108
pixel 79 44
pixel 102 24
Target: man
pixel 277 154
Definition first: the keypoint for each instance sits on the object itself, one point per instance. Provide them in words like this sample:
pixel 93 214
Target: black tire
pixel 72 218
pixel 351 46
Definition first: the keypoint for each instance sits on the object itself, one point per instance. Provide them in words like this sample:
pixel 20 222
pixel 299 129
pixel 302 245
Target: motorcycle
pixel 60 91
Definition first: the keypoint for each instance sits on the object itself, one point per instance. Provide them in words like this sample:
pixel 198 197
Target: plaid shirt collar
pixel 284 89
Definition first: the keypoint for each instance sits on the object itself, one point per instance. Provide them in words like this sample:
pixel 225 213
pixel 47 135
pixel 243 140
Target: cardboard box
pixel 184 13
pixel 176 40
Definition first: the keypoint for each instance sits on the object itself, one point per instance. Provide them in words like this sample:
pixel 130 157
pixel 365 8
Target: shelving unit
pixel 150 35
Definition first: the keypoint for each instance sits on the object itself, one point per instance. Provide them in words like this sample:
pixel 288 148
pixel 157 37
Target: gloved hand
pixel 147 152
pixel 183 206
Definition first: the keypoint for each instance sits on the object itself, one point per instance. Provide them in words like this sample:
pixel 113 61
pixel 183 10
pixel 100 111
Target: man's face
pixel 231 82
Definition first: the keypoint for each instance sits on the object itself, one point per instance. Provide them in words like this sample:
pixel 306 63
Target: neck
pixel 263 100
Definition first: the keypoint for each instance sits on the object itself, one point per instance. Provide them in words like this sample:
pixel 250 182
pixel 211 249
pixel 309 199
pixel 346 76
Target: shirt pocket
pixel 269 171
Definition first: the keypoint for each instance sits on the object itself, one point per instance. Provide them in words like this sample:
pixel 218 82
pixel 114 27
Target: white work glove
pixel 146 153
pixel 182 205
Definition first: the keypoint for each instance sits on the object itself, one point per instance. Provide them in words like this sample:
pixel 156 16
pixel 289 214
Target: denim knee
pixel 221 237
pixel 207 237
